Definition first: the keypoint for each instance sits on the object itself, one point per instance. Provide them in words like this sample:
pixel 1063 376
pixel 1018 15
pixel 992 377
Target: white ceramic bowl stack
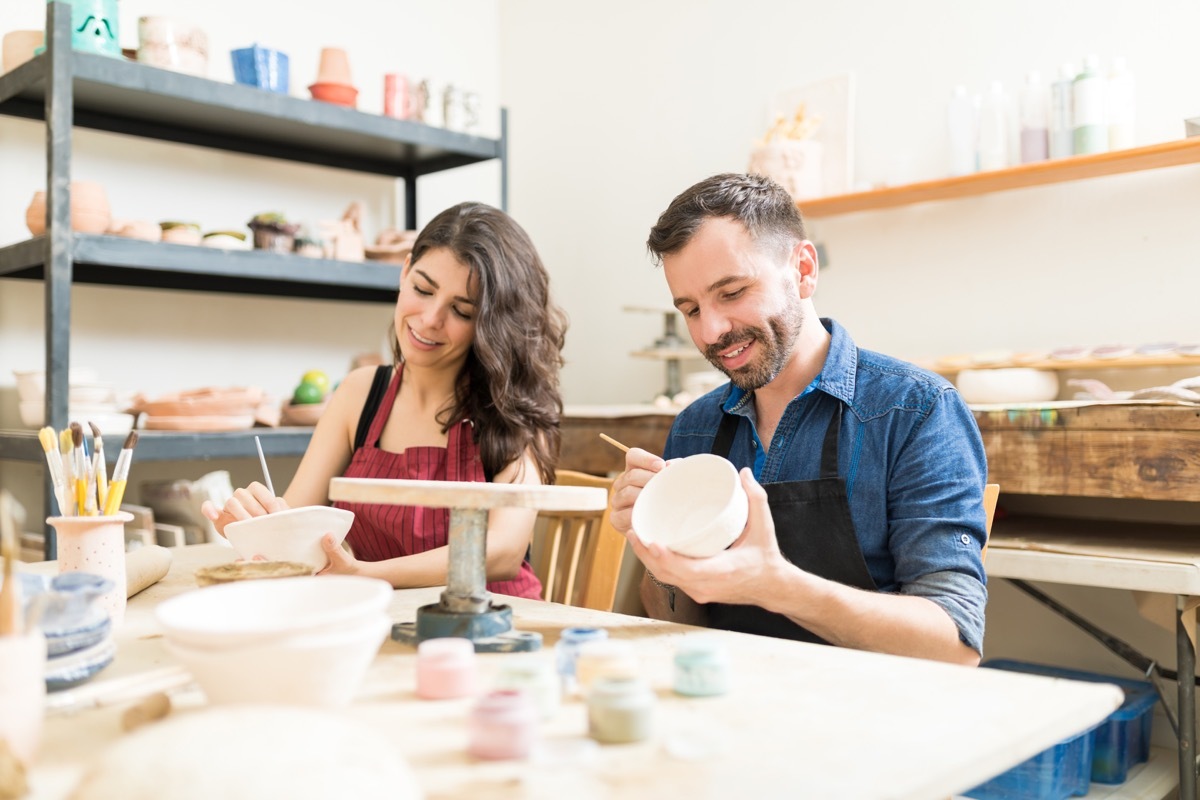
pixel 88 400
pixel 695 506
pixel 291 641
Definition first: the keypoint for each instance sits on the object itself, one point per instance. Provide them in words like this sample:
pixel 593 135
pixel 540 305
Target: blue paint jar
pixel 566 651
pixel 701 667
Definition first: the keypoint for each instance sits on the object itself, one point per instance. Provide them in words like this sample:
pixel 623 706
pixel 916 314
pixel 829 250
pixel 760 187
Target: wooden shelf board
pixel 1124 362
pixel 1156 156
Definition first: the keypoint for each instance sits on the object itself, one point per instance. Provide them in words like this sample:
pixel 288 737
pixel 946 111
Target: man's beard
pixel 777 341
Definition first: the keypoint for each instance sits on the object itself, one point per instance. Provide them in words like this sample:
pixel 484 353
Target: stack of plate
pixel 89 400
pixel 78 631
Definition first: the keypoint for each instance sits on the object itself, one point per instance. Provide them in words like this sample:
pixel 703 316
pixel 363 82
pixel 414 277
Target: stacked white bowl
pixel 88 400
pixel 291 641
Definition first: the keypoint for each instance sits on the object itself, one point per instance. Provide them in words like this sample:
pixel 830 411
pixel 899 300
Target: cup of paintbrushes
pixel 95 544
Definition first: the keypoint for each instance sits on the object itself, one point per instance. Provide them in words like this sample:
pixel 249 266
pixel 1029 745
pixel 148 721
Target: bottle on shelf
pixel 1062 115
pixel 1035 119
pixel 961 113
pixel 1120 105
pixel 1091 116
pixel 993 129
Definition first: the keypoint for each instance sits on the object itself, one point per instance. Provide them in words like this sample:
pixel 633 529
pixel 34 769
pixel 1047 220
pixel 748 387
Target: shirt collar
pixel 836 377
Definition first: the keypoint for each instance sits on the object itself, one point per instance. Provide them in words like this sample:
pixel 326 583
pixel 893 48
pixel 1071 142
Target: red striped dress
pixel 381 531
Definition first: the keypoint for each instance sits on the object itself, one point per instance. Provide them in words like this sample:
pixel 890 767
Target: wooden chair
pixel 577 555
pixel 991 493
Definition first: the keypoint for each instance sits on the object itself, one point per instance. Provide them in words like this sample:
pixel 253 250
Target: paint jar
pixel 605 658
pixel 567 650
pixel 446 668
pixel 535 676
pixel 503 725
pixel 701 667
pixel 620 710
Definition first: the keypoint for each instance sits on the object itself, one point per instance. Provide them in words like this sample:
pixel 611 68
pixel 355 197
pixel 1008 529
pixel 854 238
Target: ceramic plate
pixel 96 627
pixel 73 669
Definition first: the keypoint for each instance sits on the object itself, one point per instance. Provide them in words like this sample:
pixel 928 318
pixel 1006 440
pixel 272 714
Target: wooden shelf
pixel 1124 362
pixel 1156 156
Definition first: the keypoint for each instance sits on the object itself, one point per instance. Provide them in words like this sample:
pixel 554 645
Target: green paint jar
pixel 620 710
pixel 701 667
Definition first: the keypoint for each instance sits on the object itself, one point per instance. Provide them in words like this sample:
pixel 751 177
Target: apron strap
pixel 723 443
pixel 379 387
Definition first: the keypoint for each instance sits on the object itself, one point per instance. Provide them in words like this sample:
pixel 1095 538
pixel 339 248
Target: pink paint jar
pixel 446 669
pixel 503 725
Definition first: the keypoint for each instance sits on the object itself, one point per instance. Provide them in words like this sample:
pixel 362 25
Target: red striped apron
pixel 381 532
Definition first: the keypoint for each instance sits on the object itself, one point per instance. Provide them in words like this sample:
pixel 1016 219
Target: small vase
pixel 96 545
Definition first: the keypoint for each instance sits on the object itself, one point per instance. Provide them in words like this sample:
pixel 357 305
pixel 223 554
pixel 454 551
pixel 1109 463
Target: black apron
pixel 815 532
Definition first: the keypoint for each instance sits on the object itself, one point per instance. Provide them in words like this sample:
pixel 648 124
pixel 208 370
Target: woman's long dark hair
pixel 508 386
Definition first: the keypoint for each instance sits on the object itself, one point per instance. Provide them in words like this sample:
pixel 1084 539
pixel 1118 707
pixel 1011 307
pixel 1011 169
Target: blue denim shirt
pixel 910 453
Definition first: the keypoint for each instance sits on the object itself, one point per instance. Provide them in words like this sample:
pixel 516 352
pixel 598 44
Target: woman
pixel 473 396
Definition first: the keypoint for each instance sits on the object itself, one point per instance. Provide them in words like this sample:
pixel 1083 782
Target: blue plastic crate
pixel 1054 774
pixel 1123 739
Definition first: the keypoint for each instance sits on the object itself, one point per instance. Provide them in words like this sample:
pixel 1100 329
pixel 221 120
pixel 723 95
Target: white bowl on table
pixel 234 615
pixel 291 535
pixel 307 669
pixel 695 506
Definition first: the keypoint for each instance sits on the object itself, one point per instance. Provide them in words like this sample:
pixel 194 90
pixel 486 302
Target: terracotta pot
pixel 338 93
pixel 89 209
pixel 170 44
pixel 334 66
pixel 19 47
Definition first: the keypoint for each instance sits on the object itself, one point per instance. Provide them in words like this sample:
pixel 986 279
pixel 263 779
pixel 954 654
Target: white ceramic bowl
pixel 31 383
pixel 695 506
pixel 291 535
pixel 307 669
pixel 1012 385
pixel 248 612
pixel 111 423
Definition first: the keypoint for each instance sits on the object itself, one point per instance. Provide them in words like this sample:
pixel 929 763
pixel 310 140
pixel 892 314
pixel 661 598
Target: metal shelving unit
pixel 68 89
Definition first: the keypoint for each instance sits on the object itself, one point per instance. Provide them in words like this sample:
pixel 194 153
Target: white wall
pixel 157 341
pixel 618 108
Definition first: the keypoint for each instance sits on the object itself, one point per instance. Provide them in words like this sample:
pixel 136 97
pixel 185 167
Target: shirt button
pixel 965 539
pixel 754 445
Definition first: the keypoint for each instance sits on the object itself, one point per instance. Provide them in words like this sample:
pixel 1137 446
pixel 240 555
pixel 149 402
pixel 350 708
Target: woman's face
pixel 435 312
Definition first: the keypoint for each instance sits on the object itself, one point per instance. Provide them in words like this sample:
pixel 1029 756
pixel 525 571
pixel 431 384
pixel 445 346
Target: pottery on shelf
pixel 19 47
pixel 226 240
pixel 272 232
pixel 337 93
pixel 136 229
pixel 334 66
pixel 171 44
pixel 392 246
pixel 90 211
pixel 343 238
pixel 261 67
pixel 180 232
pixel 95 27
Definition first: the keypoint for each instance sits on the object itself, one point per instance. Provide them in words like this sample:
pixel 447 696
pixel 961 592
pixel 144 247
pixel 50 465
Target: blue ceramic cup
pixel 261 67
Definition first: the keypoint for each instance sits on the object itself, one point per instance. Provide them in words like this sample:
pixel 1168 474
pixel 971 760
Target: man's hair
pixel 761 205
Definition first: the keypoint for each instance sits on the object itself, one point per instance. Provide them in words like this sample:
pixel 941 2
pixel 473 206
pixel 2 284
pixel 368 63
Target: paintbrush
pixel 614 443
pixel 49 442
pixel 65 449
pixel 10 596
pixel 116 487
pixel 262 459
pixel 98 466
pixel 80 467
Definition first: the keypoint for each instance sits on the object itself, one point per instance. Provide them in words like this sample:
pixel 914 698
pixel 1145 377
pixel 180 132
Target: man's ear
pixel 804 260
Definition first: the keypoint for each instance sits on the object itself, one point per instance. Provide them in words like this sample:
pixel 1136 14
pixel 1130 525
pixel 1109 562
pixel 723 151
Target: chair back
pixel 578 554
pixel 991 493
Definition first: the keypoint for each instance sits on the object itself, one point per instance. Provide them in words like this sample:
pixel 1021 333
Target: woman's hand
pixel 340 561
pixel 253 501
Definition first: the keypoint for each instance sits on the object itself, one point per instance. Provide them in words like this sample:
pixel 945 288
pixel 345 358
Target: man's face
pixel 740 300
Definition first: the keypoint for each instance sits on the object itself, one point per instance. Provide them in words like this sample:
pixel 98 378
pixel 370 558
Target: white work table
pixel 802 720
pixel 1162 559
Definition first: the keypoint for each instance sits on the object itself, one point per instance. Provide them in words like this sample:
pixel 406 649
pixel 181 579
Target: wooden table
pixel 802 720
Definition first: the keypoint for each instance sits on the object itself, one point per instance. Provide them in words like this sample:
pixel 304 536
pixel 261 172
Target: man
pixel 865 474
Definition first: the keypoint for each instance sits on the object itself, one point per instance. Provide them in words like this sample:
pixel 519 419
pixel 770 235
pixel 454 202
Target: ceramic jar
pixel 446 668
pixel 620 710
pixel 701 668
pixel 90 211
pixel 503 726
pixel 171 44
pixel 19 47
pixel 96 545
pixel 261 67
